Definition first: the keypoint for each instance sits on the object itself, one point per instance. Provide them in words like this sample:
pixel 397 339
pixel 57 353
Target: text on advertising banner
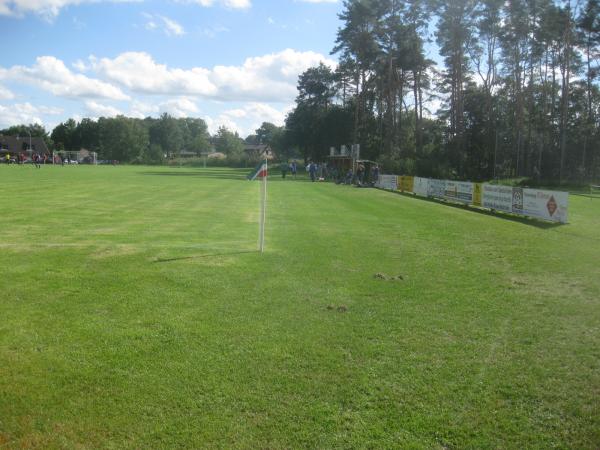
pixel 459 191
pixel 388 182
pixel 547 205
pixel 420 186
pixel 436 188
pixel 497 197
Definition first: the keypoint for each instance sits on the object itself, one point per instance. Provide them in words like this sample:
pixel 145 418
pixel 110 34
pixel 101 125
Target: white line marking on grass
pixel 122 245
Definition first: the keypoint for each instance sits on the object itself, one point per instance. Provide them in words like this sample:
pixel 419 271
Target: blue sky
pixel 230 62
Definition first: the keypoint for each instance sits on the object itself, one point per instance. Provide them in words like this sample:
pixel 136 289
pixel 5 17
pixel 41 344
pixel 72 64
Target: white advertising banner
pixel 459 191
pixel 497 197
pixel 537 203
pixel 547 205
pixel 436 188
pixel 420 186
pixel 387 182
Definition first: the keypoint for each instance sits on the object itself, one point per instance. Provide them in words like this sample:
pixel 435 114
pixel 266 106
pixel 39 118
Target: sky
pixel 230 62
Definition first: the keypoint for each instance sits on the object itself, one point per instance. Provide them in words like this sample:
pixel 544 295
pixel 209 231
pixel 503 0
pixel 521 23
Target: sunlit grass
pixel 135 312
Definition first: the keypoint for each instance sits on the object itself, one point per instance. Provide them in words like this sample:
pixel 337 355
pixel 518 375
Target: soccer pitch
pixel 136 312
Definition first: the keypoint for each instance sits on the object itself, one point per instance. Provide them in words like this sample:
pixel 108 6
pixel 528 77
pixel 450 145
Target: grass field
pixel 135 312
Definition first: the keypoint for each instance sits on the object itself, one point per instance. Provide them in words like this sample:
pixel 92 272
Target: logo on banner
pixel 517 199
pixel 551 206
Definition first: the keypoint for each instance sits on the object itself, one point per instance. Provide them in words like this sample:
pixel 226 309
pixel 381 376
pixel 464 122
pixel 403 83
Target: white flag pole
pixel 263 210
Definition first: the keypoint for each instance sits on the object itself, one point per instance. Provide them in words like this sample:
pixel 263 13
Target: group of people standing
pixel 21 158
pixel 323 172
pixel 286 167
pixel 36 158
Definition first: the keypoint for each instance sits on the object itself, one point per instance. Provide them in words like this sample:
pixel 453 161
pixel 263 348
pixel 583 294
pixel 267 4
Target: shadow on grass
pixel 225 175
pixel 583 194
pixel 208 255
pixel 486 212
pixel 240 174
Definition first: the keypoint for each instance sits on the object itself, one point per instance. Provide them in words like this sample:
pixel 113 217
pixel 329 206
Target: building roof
pixel 257 148
pixel 18 144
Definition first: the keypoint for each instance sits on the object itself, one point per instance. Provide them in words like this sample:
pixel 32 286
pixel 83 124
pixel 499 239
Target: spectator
pixel 312 170
pixel 360 174
pixel 375 175
pixel 349 176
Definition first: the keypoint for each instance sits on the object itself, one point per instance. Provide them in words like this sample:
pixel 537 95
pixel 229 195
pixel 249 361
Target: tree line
pixel 150 140
pixel 517 95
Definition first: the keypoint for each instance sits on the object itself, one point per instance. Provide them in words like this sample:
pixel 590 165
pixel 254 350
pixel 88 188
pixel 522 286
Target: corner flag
pixel 259 172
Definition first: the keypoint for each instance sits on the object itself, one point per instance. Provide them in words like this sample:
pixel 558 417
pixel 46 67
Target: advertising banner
pixel 387 182
pixel 459 191
pixel 405 183
pixel 477 194
pixel 537 203
pixel 547 205
pixel 498 197
pixel 420 186
pixel 436 188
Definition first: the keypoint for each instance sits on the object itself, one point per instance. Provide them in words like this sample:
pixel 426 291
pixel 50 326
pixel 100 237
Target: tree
pixel 588 28
pixel 122 138
pixel 194 134
pixel 229 143
pixel 357 44
pixel 64 135
pixel 455 39
pixel 168 134
pixel 316 86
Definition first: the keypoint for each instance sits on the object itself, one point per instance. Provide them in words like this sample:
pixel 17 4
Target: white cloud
pixel 223 120
pixel 248 117
pixel 318 1
pixel 140 109
pixel 176 107
pixel 99 110
pixel 179 107
pixel 172 27
pixel 268 78
pixel 24 113
pixel 212 32
pixel 80 65
pixel 6 94
pixel 168 25
pixel 47 9
pixel 237 4
pixel 51 74
pixel 140 73
pixel 230 4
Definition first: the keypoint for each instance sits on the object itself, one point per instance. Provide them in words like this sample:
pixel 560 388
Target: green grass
pixel 136 313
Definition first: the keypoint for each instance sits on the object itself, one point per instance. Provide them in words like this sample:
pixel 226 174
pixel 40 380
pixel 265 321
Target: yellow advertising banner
pixel 477 191
pixel 405 183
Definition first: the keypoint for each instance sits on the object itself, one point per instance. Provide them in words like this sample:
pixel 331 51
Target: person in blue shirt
pixel 312 170
pixel 284 168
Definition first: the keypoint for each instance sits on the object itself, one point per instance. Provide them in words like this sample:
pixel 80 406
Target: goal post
pixel 75 157
pixel 263 208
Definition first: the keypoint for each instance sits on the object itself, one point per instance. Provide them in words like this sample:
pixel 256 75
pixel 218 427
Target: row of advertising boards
pixel 538 203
